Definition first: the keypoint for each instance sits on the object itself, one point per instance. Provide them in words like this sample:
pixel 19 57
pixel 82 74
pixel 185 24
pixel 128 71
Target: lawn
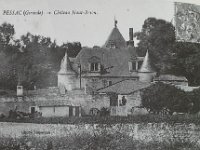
pixel 139 136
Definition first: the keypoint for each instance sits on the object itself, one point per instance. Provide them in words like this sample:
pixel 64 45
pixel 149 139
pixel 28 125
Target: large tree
pixel 8 52
pixel 158 37
pixel 187 62
pixel 40 60
pixel 30 60
pixel 7 32
pixel 35 64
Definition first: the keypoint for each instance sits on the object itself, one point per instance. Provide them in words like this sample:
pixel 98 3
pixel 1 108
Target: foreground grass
pixel 104 141
pixel 149 118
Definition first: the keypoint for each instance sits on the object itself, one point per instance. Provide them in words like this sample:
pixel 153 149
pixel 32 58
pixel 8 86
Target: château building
pixel 110 76
pixel 101 67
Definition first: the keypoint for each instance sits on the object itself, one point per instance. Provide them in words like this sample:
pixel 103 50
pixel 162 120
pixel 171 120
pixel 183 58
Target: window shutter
pixel 96 66
pixel 89 66
pixel 99 67
pixel 136 65
pixel 130 66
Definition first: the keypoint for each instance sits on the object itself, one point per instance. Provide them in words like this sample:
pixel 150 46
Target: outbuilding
pixel 58 108
pixel 124 96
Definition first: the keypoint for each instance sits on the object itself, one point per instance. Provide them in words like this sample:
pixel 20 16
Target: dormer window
pixel 113 46
pixel 94 67
pixel 134 65
pixel 94 64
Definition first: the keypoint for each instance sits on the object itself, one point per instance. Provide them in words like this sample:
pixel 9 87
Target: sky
pixel 89 29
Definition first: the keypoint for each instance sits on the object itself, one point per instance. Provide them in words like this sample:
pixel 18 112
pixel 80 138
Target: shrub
pixel 161 96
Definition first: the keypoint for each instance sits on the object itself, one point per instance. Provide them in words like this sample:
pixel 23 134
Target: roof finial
pixel 115 22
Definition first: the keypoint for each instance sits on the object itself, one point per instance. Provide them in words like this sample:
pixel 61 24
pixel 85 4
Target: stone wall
pixel 75 98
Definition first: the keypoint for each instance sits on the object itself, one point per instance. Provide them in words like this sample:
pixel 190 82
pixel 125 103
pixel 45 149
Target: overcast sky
pixel 90 30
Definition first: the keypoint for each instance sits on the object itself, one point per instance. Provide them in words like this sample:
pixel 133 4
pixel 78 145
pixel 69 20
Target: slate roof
pixel 169 77
pixel 116 60
pixel 125 87
pixel 113 60
pixel 115 38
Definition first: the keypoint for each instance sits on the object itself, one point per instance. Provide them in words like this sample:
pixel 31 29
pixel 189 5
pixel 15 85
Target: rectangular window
pixel 70 111
pixel 32 110
pixel 77 111
pixel 114 100
pixel 134 65
pixel 94 67
pixel 140 64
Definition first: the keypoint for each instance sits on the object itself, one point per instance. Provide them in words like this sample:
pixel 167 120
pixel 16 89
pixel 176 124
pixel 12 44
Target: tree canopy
pixel 157 36
pixel 32 59
pixel 161 96
pixel 187 62
pixel 166 54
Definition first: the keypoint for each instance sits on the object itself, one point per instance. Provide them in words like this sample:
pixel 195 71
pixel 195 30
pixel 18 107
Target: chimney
pixel 130 42
pixel 130 34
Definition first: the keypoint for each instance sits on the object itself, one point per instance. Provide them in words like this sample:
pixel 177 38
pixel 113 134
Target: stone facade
pixel 99 67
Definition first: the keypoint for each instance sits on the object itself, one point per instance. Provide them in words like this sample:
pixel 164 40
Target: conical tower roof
pixel 146 67
pixel 65 67
pixel 115 38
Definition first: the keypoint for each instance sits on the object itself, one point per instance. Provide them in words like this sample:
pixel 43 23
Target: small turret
pixel 146 67
pixel 66 76
pixel 146 73
pixel 65 67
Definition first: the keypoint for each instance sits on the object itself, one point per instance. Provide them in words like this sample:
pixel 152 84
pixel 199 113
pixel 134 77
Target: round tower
pixel 66 76
pixel 146 72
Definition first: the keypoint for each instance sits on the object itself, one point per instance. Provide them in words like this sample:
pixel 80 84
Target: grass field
pixel 88 142
pixel 137 136
pixel 147 132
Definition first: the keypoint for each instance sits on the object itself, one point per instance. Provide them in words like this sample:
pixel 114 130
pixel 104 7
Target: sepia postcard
pixel 99 75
